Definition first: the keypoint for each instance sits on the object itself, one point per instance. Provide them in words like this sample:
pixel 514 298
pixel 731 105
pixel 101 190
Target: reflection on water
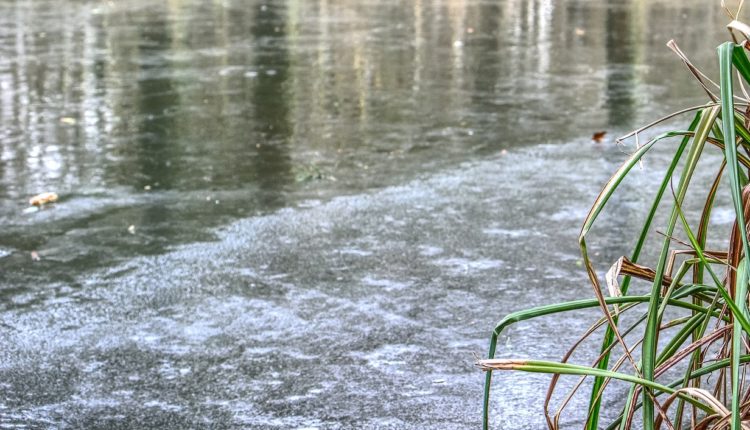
pixel 621 85
pixel 272 110
pixel 157 97
pixel 179 92
pixel 193 95
pixel 175 117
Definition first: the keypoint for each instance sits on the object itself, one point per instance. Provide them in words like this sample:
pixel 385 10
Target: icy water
pixel 309 214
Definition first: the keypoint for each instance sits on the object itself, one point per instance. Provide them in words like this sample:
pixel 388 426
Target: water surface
pixel 298 214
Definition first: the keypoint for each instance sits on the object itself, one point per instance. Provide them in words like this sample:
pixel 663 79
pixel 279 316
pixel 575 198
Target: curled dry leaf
pixel 598 136
pixel 611 278
pixel 42 199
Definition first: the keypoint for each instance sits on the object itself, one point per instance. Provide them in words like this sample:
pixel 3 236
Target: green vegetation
pixel 708 343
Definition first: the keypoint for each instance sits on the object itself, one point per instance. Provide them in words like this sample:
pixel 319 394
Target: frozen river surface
pixel 306 214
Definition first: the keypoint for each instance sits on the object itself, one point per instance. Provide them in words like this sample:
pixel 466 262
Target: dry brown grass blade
pixel 719 257
pixel 625 267
pixel 706 423
pixel 704 396
pixel 605 310
pixel 553 422
pixel 487 364
pixel 703 341
pixel 699 76
pixel 637 131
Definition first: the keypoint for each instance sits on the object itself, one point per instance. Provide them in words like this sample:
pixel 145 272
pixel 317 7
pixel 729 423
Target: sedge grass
pixel 710 346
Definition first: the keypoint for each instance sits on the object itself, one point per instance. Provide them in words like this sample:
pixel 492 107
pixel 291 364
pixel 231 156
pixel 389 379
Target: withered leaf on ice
pixel 42 199
pixel 598 136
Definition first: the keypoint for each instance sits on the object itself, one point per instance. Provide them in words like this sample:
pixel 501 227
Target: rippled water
pixel 308 214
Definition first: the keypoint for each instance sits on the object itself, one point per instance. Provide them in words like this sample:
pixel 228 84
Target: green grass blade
pixel 592 422
pixel 540 366
pixel 740 61
pixel 726 57
pixel 650 338
pixel 679 338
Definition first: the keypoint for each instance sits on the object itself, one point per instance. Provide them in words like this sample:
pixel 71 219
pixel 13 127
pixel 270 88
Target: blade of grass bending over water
pixel 698 273
pixel 699 140
pixel 738 312
pixel 654 313
pixel 727 53
pixel 650 337
pixel 592 422
pixel 540 366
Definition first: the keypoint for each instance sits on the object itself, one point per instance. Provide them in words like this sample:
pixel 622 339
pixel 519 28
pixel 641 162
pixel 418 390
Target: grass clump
pixel 709 346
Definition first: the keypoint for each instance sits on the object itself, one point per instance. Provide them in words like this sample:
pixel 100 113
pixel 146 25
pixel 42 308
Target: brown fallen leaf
pixel 42 199
pixel 598 136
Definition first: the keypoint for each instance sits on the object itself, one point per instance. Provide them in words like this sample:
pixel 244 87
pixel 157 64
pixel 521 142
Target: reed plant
pixel 688 371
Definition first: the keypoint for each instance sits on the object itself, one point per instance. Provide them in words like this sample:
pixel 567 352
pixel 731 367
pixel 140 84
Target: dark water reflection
pixel 178 117
pixel 250 104
pixel 621 74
